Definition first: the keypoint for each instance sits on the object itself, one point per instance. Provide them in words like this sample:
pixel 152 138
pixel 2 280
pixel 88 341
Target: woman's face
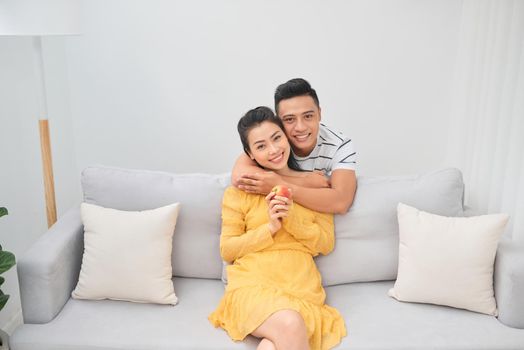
pixel 268 145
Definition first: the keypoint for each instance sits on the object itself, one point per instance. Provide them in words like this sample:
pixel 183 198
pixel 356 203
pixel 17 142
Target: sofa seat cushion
pixel 373 320
pixel 376 321
pixel 109 324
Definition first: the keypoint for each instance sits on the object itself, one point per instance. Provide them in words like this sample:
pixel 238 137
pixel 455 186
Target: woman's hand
pixel 278 208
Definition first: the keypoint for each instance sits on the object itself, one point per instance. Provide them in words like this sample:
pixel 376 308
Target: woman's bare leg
pixel 266 344
pixel 285 329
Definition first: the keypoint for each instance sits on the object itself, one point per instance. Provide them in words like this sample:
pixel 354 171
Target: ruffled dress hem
pixel 239 324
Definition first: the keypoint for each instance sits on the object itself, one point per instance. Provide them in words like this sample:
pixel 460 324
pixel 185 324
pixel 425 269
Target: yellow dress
pixel 272 273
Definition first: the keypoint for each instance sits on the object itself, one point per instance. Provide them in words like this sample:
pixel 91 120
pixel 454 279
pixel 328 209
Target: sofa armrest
pixel 48 271
pixel 509 283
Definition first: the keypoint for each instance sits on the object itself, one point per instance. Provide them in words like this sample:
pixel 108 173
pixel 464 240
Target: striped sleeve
pixel 345 156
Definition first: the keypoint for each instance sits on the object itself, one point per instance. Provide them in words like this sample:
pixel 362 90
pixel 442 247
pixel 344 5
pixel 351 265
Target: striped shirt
pixel 333 151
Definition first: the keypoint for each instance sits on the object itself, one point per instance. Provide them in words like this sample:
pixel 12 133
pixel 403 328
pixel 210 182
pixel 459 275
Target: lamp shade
pixel 39 17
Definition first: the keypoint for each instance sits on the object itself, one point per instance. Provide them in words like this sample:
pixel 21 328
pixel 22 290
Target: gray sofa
pixel 356 275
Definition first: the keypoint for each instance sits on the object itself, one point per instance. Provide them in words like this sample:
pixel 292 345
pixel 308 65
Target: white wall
pixel 19 187
pixel 21 181
pixel 161 84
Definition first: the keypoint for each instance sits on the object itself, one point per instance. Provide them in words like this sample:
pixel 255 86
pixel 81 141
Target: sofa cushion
pixel 447 261
pixel 366 246
pixel 196 240
pixel 127 254
pixel 376 321
pixel 373 320
pixel 111 325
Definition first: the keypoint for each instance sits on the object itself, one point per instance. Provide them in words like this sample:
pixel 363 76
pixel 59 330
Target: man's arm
pixel 335 200
pixel 243 165
pixel 245 168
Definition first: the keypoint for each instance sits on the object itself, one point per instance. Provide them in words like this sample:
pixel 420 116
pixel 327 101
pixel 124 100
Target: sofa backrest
pixel 366 247
pixel 197 232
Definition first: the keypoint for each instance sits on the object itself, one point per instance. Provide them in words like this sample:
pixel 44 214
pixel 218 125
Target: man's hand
pixel 317 179
pixel 260 182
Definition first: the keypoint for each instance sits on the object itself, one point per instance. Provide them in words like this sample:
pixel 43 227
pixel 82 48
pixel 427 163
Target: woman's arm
pixel 235 241
pixel 315 231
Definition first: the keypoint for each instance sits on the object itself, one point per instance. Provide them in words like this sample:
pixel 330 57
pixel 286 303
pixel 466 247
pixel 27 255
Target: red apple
pixel 281 190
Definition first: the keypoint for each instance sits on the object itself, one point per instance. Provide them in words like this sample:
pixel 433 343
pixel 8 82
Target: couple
pixel 274 289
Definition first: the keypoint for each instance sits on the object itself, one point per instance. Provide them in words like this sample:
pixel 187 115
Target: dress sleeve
pixel 235 241
pixel 314 230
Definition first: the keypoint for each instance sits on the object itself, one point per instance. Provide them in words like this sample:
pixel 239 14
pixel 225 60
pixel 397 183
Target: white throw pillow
pixel 447 260
pixel 127 255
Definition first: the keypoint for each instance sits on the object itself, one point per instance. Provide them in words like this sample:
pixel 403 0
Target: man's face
pixel 301 118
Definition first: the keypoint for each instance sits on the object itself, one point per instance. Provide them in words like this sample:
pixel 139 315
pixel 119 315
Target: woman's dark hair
pixel 293 88
pixel 254 118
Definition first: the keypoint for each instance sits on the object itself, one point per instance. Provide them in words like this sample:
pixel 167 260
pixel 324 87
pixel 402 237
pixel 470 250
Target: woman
pixel 274 289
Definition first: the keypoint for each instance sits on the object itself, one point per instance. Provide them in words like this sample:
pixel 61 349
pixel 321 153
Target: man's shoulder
pixel 328 134
pixel 330 137
pixel 338 149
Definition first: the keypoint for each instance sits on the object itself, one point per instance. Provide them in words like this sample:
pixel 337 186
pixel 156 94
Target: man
pixel 315 147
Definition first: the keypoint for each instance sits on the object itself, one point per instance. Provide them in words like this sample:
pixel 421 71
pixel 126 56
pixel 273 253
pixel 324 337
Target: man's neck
pixel 303 153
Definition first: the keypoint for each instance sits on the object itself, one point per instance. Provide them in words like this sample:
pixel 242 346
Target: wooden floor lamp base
pixel 47 163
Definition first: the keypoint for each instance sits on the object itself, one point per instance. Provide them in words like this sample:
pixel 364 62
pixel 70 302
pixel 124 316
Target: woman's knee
pixel 283 324
pixel 291 321
pixel 266 344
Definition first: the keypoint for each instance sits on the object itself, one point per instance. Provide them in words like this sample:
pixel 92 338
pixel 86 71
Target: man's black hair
pixel 293 88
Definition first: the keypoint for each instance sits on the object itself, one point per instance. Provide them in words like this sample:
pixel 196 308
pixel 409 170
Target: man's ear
pixel 319 113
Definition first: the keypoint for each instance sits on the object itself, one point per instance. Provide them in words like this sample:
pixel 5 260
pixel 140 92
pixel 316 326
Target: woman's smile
pixel 278 158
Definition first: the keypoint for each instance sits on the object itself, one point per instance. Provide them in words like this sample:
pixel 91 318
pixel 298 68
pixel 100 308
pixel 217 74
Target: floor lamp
pixel 39 18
